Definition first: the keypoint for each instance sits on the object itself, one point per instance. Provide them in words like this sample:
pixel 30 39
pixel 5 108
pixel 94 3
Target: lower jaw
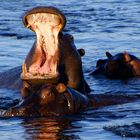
pixel 38 79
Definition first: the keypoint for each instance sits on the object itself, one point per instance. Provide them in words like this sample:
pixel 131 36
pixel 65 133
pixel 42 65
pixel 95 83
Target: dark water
pixel 97 26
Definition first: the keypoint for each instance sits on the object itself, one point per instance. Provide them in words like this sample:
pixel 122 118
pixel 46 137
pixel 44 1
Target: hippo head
pixel 57 97
pixel 41 64
pixel 50 100
pixel 119 66
pixel 122 65
pixel 51 94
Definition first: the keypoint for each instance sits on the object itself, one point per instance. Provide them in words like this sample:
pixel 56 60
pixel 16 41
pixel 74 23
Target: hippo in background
pixel 119 66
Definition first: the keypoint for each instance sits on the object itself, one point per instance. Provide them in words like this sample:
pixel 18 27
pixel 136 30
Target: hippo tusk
pixel 24 69
pixel 28 25
pixel 70 101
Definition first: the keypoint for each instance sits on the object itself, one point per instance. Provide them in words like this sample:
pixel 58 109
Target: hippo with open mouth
pixel 53 57
pixel 119 66
pixel 42 60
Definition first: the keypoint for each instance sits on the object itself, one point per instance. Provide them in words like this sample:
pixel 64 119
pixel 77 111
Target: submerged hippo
pixel 119 66
pixel 53 57
pixel 51 100
pixel 59 100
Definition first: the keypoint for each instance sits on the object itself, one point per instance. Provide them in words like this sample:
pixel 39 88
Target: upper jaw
pixel 47 23
pixel 49 10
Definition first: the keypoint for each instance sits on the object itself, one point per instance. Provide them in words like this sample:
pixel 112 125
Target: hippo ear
pixel 81 51
pixel 61 88
pixel 108 54
pixel 126 57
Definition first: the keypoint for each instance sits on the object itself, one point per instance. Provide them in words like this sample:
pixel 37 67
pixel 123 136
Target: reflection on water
pixel 47 128
pixel 97 26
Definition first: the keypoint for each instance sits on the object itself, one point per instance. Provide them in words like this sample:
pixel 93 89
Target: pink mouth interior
pixel 47 27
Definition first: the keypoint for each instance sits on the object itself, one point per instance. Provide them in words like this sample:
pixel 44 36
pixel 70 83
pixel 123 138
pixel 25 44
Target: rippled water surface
pixel 97 26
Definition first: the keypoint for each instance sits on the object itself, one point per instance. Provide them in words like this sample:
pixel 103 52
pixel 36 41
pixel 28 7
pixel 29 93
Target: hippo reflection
pixel 119 66
pixel 49 128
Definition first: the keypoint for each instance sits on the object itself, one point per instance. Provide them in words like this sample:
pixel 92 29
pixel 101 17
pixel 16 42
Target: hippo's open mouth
pixel 46 22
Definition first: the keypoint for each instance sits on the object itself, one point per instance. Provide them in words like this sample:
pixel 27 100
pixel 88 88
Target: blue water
pixel 97 26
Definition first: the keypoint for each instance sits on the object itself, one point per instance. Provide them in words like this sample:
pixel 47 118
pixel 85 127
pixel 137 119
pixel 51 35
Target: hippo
pixel 50 100
pixel 119 66
pixel 58 100
pixel 53 57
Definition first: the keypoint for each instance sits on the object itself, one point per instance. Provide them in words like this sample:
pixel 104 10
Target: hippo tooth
pixel 24 69
pixel 28 25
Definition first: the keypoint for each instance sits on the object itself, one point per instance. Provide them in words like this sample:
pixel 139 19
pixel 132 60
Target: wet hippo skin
pixel 119 66
pixel 54 100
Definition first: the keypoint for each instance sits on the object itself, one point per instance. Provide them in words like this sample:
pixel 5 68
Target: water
pixel 97 26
